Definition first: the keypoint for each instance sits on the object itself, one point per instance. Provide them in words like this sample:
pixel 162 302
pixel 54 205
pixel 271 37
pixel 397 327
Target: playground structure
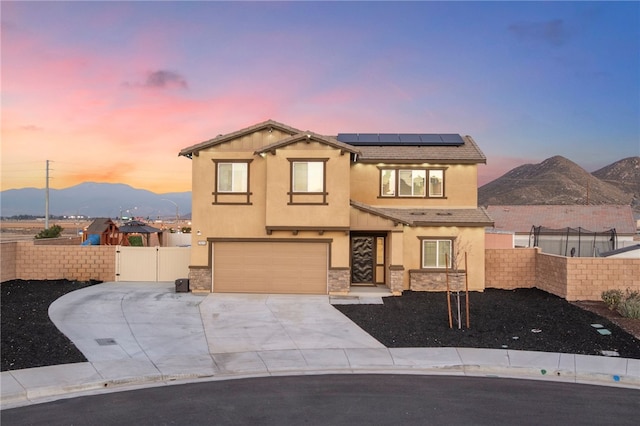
pixel 573 242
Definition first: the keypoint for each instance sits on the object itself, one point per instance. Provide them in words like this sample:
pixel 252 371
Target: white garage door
pixel 270 267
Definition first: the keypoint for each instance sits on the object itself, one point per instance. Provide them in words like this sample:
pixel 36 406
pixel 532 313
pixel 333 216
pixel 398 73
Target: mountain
pixel 95 200
pixel 558 180
pixel 625 175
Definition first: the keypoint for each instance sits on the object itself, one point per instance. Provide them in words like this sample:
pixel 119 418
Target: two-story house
pixel 280 210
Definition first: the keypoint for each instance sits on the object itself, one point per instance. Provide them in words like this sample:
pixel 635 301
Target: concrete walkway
pixel 144 334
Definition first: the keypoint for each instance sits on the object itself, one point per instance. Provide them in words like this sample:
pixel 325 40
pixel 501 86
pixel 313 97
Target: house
pixel 280 210
pixel 584 230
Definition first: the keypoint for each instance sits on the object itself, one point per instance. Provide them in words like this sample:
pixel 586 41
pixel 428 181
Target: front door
pixel 367 259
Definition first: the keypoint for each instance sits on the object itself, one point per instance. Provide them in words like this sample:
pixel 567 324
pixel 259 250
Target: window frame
pixel 307 197
pixel 395 177
pixel 437 240
pixel 243 197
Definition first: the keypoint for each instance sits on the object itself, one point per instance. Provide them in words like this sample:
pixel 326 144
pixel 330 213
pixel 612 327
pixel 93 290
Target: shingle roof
pixel 430 217
pixel 469 152
pixel 189 151
pixel 311 137
pixel 99 225
pixel 520 219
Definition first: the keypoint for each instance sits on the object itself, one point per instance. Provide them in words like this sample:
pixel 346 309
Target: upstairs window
pixel 308 176
pixel 233 177
pixel 419 183
pixel 232 182
pixel 308 181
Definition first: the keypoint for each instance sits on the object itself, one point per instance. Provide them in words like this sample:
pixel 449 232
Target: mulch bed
pixel 28 337
pixel 498 319
pixel 522 319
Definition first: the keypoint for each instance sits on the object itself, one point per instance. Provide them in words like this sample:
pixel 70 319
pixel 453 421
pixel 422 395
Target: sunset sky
pixel 111 91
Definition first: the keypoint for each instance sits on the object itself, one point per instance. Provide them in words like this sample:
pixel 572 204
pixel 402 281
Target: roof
pixel 99 225
pixel 429 217
pixel 308 137
pixel 620 250
pixel 136 227
pixel 520 219
pixel 469 152
pixel 441 148
pixel 194 149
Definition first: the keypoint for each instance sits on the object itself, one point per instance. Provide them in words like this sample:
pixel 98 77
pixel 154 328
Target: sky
pixel 112 91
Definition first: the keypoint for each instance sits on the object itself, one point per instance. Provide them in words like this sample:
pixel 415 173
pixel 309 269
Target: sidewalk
pixel 144 334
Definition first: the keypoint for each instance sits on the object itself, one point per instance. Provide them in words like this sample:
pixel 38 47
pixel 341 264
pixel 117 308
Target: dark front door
pixel 362 260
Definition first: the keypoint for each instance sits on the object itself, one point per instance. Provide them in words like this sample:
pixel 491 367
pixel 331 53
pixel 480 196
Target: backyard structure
pixel 135 227
pixel 280 210
pixel 102 231
pixel 585 231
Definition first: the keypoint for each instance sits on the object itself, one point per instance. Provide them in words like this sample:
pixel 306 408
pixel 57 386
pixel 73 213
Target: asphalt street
pixel 345 400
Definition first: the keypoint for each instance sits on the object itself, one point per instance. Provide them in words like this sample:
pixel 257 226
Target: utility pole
pixel 46 200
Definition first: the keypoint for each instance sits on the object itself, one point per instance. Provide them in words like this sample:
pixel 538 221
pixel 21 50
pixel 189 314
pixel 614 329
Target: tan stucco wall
pixel 469 239
pixel 461 187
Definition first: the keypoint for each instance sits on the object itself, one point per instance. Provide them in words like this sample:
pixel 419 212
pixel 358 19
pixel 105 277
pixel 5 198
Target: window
pixel 308 176
pixel 435 183
pixel 231 182
pixel 421 183
pixel 412 183
pixel 232 177
pixel 308 181
pixel 436 253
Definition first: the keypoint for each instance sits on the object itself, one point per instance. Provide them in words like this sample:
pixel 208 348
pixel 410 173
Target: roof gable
pixel 220 139
pixel 307 137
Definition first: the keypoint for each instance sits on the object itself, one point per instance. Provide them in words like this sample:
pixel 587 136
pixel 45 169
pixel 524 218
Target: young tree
pixel 53 232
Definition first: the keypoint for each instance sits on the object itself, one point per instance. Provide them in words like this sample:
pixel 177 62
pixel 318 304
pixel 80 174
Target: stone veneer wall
pixel 421 280
pixel 396 275
pixel 339 280
pixel 200 279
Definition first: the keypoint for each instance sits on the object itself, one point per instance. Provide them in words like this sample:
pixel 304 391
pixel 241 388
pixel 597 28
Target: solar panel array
pixel 400 139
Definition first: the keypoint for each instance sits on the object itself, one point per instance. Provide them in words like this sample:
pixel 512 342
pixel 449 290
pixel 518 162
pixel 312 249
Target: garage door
pixel 270 267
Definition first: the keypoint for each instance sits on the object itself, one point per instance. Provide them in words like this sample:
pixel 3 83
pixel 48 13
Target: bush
pixel 53 232
pixel 135 241
pixel 630 307
pixel 627 304
pixel 612 298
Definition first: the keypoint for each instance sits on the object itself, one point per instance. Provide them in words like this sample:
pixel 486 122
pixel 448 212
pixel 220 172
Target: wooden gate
pixel 152 263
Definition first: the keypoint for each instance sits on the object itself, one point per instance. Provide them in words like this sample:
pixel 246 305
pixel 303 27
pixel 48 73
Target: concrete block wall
pixel 37 262
pixel 510 268
pixel 551 274
pixel 8 252
pixel 588 277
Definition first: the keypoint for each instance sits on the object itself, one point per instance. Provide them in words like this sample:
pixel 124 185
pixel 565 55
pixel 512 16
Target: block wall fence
pixel 572 278
pixel 27 261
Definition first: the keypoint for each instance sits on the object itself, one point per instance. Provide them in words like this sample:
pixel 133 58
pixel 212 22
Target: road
pixel 345 400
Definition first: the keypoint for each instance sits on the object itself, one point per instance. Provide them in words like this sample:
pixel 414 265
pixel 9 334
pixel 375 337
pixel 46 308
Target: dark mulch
pixel 28 337
pixel 498 319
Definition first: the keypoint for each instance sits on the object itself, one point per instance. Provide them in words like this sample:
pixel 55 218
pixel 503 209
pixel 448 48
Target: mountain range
pixel 558 180
pixel 555 180
pixel 96 200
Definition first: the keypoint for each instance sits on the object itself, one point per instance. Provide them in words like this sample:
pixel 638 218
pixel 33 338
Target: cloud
pixel 162 79
pixel 552 32
pixel 31 128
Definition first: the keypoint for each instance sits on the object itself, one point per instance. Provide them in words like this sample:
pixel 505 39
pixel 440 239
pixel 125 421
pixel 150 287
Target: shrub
pixel 52 232
pixel 612 298
pixel 135 241
pixel 630 307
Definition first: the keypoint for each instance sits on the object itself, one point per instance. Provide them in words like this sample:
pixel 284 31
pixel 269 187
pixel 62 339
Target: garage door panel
pixel 268 267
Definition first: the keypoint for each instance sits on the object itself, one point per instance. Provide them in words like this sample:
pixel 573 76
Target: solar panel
pixel 430 138
pixel 401 139
pixel 386 138
pixel 348 137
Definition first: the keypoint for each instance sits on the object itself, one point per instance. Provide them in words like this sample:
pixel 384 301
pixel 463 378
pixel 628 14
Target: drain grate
pixel 107 341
